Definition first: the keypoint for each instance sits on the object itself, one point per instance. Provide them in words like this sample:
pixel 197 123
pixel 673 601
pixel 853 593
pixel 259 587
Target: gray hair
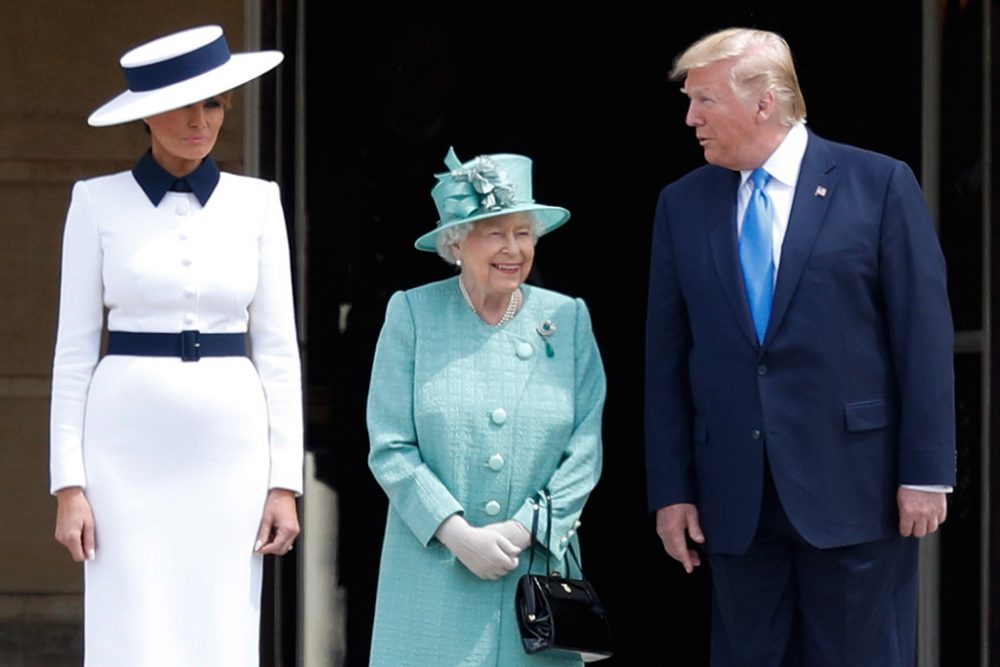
pixel 449 236
pixel 763 62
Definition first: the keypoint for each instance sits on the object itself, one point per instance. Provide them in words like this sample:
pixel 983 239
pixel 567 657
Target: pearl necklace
pixel 512 304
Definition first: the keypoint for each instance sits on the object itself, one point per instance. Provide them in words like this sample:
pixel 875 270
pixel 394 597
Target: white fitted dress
pixel 176 457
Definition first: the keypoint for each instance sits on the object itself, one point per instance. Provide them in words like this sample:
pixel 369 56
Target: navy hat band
pixel 177 69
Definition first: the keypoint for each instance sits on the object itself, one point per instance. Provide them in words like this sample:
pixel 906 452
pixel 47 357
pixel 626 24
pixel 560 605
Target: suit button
pixel 762 369
pixel 492 508
pixel 496 463
pixel 755 434
pixel 499 416
pixel 524 351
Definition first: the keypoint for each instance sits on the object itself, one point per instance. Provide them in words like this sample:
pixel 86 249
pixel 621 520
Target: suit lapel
pixel 721 212
pixel 813 192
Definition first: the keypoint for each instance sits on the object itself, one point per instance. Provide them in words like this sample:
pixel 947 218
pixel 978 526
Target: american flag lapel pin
pixel 820 191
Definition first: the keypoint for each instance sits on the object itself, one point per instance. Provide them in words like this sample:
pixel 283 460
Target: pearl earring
pixel 458 263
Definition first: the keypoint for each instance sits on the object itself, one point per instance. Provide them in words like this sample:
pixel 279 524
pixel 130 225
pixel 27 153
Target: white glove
pixel 487 553
pixel 514 531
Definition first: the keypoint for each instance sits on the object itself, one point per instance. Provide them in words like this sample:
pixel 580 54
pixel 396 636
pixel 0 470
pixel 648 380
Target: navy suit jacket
pixel 851 391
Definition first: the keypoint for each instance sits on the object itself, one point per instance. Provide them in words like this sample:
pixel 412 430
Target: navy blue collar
pixel 156 181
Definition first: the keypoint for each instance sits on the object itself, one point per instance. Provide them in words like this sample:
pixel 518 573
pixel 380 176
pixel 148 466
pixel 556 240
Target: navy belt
pixel 188 345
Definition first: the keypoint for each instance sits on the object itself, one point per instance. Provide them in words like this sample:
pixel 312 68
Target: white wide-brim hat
pixel 180 69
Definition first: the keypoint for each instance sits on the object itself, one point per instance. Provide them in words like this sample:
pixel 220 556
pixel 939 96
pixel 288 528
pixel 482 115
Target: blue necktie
pixel 755 253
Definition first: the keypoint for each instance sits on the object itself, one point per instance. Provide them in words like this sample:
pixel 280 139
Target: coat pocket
pixel 866 415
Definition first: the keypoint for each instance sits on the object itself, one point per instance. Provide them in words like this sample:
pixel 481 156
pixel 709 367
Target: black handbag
pixel 560 615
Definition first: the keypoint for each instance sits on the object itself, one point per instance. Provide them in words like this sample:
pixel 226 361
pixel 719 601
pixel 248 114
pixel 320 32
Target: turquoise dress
pixel 466 417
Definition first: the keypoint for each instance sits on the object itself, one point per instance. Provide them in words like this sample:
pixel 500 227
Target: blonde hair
pixel 763 62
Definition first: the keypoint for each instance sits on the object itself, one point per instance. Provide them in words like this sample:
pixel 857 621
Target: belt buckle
pixel 190 345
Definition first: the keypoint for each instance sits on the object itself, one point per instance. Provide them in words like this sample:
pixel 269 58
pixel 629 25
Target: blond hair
pixel 763 62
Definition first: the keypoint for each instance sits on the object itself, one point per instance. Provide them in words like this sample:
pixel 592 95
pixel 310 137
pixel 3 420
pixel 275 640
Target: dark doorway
pixel 584 92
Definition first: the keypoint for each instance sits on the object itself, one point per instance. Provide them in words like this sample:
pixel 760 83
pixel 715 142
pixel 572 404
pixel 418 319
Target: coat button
pixel 499 416
pixel 190 290
pixel 183 236
pixel 762 369
pixel 492 508
pixel 524 351
pixel 755 434
pixel 186 261
pixel 495 463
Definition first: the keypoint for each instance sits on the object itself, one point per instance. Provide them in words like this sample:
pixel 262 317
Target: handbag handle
pixel 548 540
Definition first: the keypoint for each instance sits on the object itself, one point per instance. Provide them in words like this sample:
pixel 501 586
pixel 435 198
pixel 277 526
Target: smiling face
pixel 182 138
pixel 497 254
pixel 734 132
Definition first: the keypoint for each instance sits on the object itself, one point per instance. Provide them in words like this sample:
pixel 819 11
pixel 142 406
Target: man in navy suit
pixel 799 382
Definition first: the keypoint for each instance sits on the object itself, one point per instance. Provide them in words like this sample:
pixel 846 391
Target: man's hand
pixel 674 524
pixel 920 512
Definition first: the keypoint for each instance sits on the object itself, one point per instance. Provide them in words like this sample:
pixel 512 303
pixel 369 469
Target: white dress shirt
pixel 783 167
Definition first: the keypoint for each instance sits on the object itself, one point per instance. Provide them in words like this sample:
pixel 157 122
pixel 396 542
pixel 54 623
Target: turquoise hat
pixel 485 187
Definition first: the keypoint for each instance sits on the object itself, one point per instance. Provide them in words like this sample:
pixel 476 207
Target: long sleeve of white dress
pixel 78 341
pixel 274 349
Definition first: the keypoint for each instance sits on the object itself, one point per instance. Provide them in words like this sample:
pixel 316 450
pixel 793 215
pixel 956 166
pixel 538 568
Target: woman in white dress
pixel 176 458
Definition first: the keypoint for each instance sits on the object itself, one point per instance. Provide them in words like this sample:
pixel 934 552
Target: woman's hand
pixel 75 523
pixel 487 553
pixel 280 524
pixel 512 529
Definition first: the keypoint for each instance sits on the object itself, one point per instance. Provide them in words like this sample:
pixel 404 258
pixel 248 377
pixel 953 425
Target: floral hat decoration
pixel 487 186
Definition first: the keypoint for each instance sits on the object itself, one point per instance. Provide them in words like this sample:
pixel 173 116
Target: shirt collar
pixel 156 181
pixel 785 162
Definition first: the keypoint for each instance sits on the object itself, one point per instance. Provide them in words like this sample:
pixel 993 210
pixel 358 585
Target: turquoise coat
pixel 466 417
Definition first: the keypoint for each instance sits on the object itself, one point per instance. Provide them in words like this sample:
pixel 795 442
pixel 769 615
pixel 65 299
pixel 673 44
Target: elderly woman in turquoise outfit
pixel 485 402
